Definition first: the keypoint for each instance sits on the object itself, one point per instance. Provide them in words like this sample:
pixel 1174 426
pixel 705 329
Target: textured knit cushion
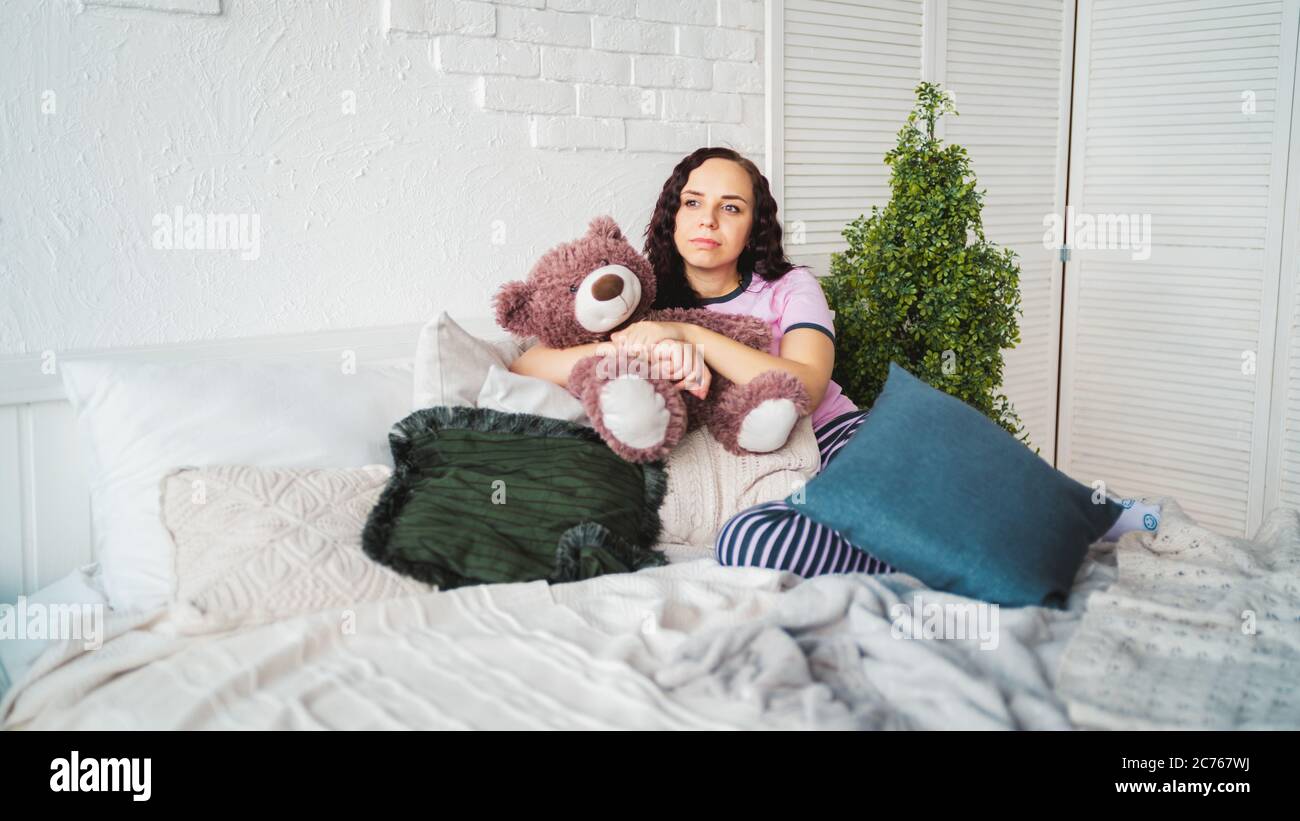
pixel 256 544
pixel 937 490
pixel 482 496
pixel 707 485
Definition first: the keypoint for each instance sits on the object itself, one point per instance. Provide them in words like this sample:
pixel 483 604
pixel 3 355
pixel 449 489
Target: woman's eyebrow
pixel 724 196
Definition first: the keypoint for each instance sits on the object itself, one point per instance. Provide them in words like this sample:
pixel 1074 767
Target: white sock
pixel 1137 515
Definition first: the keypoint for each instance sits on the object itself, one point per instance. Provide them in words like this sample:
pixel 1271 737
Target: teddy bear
pixel 582 291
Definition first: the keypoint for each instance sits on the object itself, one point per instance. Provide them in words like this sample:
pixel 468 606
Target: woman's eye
pixel 735 208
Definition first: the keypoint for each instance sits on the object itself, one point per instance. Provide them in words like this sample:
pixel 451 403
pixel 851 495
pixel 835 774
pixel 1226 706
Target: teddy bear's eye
pixel 604 262
pixel 573 289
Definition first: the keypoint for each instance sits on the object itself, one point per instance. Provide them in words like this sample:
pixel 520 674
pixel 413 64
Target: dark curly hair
pixel 763 254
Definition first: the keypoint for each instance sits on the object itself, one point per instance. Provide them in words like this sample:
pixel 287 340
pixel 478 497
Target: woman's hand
pixel 674 359
pixel 641 337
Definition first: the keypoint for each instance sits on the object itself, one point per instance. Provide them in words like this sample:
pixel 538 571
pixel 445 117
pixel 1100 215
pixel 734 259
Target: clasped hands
pixel 663 346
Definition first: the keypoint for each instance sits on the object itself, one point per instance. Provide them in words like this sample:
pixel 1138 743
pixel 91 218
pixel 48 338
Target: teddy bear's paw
pixel 634 413
pixel 768 425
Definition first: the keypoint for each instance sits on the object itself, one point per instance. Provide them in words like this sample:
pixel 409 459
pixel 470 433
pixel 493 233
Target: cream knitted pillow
pixel 707 485
pixel 255 545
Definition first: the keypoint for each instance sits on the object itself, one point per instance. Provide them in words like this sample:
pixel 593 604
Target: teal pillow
pixel 937 490
pixel 480 496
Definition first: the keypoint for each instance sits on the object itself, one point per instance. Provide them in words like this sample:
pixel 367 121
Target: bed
pixel 1185 628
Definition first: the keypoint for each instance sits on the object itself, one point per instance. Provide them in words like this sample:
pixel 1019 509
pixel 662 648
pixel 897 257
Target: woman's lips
pixel 705 243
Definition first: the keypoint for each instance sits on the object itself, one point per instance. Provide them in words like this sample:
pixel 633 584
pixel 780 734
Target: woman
pixel 714 242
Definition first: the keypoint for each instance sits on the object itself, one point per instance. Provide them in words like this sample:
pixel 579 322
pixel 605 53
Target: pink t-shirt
pixel 793 301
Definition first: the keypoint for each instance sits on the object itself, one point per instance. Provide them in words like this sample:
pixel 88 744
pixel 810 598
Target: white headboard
pixel 45 528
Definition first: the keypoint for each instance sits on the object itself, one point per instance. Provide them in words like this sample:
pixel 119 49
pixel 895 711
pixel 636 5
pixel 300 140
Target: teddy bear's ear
pixel 604 226
pixel 511 303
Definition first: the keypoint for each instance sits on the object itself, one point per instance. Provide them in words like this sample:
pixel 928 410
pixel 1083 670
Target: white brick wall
pixel 540 96
pixel 614 75
pixel 445 145
pixel 671 72
pixel 587 65
pixel 484 55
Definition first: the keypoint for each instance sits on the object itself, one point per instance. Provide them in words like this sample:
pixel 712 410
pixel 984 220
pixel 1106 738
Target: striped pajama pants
pixel 774 534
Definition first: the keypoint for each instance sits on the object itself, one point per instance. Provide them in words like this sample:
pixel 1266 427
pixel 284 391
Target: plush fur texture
pixel 600 265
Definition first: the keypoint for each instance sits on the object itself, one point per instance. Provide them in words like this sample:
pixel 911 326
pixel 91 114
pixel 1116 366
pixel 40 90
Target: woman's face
pixel 716 204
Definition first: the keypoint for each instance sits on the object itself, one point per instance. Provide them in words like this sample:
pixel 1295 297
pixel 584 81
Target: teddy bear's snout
pixel 607 287
pixel 606 298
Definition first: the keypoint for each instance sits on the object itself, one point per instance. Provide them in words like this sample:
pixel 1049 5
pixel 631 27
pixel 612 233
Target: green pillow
pixel 937 490
pixel 480 496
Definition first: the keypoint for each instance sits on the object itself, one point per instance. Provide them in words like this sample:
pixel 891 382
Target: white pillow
pixel 451 364
pixel 512 393
pixel 83 586
pixel 138 420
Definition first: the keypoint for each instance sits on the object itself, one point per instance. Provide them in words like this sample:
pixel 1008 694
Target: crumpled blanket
pixel 845 652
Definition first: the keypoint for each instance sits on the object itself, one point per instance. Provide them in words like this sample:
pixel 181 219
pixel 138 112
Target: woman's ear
pixel 511 303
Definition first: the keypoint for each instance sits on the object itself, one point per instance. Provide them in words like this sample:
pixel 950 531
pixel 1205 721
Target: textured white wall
pixel 398 157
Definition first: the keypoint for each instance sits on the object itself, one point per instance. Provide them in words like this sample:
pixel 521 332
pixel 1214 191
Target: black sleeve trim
pixel 821 328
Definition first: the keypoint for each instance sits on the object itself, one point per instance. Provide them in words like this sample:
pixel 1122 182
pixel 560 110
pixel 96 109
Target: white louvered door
pixel 1283 446
pixel 845 78
pixel 1167 360
pixel 1007 65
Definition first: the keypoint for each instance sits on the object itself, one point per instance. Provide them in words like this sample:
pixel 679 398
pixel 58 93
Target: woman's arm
pixel 554 364
pixel 807 354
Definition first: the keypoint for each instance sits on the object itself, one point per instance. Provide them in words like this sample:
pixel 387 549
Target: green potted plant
pixel 920 285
